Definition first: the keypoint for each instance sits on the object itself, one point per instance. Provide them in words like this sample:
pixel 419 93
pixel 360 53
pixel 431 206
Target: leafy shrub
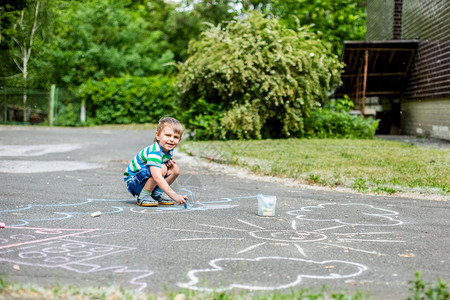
pixel 206 124
pixel 256 66
pixel 334 120
pixel 67 108
pixel 68 116
pixel 242 122
pixel 128 99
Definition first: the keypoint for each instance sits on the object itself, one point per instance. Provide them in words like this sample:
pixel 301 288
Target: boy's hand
pixel 180 199
pixel 170 163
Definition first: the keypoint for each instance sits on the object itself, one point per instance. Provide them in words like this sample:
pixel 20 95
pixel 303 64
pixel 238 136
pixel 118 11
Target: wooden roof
pixel 376 68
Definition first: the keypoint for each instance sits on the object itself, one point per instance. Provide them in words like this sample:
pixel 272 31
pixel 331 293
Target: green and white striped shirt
pixel 152 155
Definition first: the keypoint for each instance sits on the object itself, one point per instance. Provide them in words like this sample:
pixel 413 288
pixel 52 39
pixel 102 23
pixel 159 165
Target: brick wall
pixel 379 20
pixel 426 118
pixel 397 20
pixel 426 99
pixel 425 102
pixel 428 21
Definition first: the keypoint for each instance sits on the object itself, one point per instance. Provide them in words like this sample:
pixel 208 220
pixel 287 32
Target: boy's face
pixel 167 138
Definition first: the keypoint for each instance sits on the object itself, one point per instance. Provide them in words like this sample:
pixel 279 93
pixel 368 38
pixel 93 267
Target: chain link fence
pixel 32 106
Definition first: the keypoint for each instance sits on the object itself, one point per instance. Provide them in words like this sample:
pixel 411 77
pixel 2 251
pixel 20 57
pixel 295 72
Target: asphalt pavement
pixel 54 181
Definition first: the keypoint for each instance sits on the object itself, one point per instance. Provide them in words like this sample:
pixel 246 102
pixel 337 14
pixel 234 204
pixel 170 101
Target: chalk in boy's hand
pixel 152 170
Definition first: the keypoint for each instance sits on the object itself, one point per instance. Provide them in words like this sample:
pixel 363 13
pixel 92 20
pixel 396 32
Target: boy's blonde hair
pixel 173 123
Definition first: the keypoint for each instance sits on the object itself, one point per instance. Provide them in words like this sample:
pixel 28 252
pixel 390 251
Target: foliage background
pixel 83 44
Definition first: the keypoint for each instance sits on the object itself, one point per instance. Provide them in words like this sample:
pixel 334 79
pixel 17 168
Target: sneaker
pixel 147 201
pixel 163 199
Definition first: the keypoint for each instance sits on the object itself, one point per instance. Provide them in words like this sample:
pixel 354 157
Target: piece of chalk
pixel 185 203
pixel 96 214
pixel 263 200
pixel 2 225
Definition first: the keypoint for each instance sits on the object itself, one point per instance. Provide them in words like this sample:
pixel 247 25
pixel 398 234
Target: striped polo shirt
pixel 152 155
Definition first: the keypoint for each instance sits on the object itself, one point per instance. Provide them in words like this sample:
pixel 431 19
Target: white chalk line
pixel 330 228
pixel 294 225
pixel 300 249
pixel 215 267
pixel 361 233
pixel 251 248
pixel 200 239
pixel 363 240
pixel 221 227
pixel 354 249
pixel 188 230
pixel 79 231
pixel 250 224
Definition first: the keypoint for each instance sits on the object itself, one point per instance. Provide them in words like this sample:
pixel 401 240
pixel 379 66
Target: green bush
pixel 68 116
pixel 259 74
pixel 242 122
pixel 128 99
pixel 334 120
pixel 206 124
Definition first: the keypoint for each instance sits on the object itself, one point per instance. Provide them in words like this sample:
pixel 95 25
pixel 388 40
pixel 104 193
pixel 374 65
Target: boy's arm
pixel 162 183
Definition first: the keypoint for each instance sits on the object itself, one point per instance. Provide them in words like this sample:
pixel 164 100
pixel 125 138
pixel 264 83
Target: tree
pixel 8 6
pixel 24 31
pixel 188 20
pixel 102 39
pixel 257 74
pixel 24 34
pixel 334 21
pixel 9 13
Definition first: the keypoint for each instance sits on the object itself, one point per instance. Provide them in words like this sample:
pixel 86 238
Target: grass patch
pixel 32 291
pixel 419 289
pixel 364 165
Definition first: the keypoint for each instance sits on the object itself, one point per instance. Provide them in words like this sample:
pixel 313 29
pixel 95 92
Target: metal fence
pixel 31 106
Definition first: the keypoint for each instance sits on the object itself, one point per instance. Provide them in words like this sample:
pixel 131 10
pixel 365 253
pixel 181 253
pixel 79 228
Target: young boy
pixel 152 170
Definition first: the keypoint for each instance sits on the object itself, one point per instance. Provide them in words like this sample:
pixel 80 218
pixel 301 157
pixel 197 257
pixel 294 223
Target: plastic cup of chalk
pixel 266 205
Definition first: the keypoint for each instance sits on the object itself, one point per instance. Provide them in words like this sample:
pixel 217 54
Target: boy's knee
pixel 175 170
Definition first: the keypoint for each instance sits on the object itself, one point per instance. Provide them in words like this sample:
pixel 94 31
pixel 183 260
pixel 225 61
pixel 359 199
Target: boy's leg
pixel 136 185
pixel 151 183
pixel 171 176
pixel 146 186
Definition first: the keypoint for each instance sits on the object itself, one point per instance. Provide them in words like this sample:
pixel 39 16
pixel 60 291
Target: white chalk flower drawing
pixel 257 273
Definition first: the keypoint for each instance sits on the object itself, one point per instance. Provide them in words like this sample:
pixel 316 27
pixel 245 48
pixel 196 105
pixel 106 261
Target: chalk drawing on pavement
pixel 26 215
pixel 27 236
pixel 354 214
pixel 353 223
pixel 258 274
pixel 192 204
pixel 347 216
pixel 362 226
pixel 60 248
pixel 224 203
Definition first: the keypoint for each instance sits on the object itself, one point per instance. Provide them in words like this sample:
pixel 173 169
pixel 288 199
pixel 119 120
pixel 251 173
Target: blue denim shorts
pixel 136 183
